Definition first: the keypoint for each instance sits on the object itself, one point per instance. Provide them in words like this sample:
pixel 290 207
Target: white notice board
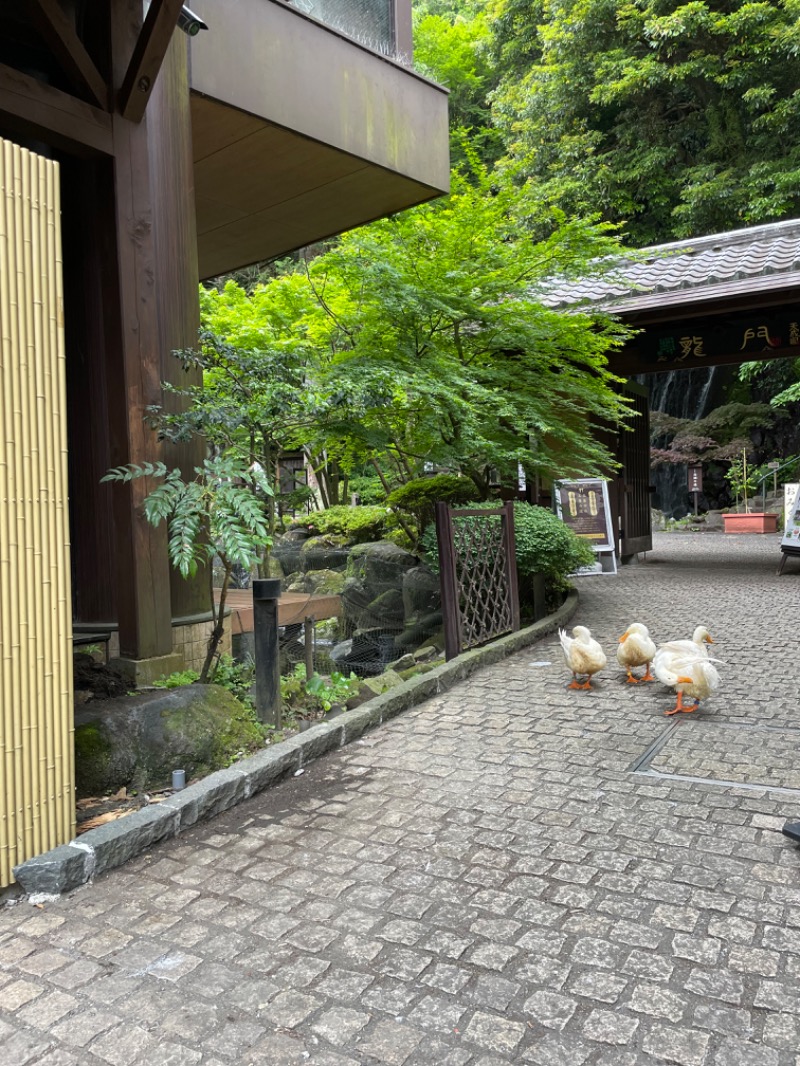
pixel 791 533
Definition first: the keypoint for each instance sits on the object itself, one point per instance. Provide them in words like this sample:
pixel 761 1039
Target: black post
pixel 266 592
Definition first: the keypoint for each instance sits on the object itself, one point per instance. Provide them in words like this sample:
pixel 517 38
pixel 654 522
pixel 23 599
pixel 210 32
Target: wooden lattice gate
pixel 480 596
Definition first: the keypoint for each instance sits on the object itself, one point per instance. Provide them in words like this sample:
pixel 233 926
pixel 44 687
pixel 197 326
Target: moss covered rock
pixel 137 741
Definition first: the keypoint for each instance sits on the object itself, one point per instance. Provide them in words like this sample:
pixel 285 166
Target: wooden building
pixel 136 159
pixel 725 299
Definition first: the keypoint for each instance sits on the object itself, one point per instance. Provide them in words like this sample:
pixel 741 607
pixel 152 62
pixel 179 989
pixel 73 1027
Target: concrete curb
pixel 71 865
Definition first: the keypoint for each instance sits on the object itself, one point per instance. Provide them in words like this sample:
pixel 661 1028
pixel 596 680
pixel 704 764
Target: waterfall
pixel 682 394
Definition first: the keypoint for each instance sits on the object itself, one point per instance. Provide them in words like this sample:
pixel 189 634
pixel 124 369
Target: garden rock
pixel 137 741
pixel 286 549
pixel 383 682
pixel 325 582
pixel 421 592
pixel 324 553
pixel 381 565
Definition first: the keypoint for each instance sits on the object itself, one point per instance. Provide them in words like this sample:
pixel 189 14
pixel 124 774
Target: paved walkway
pixel 483 881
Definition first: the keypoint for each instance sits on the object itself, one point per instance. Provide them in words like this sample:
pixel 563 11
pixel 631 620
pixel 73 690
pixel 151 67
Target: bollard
pixel 266 592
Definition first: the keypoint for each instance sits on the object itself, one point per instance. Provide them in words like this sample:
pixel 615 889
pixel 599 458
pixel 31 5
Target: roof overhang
pixel 300 133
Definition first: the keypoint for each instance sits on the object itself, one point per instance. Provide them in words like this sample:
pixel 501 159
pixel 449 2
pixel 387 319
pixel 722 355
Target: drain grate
pixel 734 754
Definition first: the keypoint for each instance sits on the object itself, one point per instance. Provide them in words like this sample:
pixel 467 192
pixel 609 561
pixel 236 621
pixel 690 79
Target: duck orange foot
pixel 574 683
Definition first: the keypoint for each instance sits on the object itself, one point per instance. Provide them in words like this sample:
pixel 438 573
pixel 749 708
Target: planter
pixel 751 523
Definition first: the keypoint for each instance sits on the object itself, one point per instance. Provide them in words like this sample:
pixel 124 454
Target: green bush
pixel 544 545
pixel 419 496
pixel 359 525
pixel 369 490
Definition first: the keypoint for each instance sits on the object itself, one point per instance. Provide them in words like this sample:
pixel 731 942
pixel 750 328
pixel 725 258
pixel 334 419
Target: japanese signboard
pixel 695 477
pixel 583 506
pixel 778 332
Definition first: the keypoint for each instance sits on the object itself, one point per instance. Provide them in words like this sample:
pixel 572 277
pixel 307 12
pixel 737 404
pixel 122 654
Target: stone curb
pixel 71 865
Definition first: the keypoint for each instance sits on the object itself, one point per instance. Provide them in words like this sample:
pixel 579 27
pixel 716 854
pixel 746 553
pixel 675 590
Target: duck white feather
pixel 636 648
pixel 698 645
pixel 694 675
pixel 583 655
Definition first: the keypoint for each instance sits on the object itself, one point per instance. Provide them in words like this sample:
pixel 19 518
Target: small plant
pixel 315 696
pixel 742 479
pixel 177 680
pixel 218 512
pixel 236 677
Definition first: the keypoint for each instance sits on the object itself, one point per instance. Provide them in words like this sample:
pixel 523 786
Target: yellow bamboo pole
pixel 36 718
pixel 7 518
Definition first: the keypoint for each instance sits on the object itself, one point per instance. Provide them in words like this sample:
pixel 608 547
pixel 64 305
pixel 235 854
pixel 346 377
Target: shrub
pixel 359 525
pixel 418 497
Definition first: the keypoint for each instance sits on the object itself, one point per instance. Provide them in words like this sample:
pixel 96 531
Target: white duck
pixel 695 676
pixel 583 655
pixel 681 648
pixel 636 648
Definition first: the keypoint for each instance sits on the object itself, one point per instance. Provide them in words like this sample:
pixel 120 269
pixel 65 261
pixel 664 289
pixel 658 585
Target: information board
pixel 791 533
pixel 583 506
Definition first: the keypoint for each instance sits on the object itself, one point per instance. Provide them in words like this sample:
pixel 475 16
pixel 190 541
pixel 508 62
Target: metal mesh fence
pixel 370 22
pixel 354 609
pixel 345 609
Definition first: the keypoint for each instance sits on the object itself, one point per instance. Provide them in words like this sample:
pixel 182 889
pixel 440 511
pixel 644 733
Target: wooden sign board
pixel 583 505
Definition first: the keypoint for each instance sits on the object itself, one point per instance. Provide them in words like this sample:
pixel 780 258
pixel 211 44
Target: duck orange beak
pixel 709 640
pixel 685 681
pixel 623 638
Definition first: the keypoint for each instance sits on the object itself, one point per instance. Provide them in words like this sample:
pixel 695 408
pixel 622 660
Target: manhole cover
pixel 750 756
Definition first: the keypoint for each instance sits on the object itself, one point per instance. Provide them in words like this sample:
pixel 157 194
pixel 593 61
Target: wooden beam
pixel 31 107
pixel 67 47
pixel 148 55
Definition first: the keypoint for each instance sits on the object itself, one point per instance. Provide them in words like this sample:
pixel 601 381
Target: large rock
pixel 421 592
pixel 380 566
pixel 325 582
pixel 286 549
pixel 325 553
pixel 137 741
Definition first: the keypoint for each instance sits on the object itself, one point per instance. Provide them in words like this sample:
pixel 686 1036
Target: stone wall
pixel 191 641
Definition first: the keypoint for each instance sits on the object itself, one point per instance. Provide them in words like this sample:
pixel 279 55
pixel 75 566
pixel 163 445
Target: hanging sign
pixel 583 505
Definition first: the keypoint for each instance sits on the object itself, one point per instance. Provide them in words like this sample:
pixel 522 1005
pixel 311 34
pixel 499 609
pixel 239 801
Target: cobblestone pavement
pixel 482 881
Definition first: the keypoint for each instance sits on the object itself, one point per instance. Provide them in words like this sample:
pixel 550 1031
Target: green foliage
pixel 359 525
pixel 236 677
pixel 303 698
pixel 721 435
pixel 419 496
pixel 177 679
pixel 453 47
pixel 220 512
pixel 431 318
pixel 675 117
pixel 543 543
pixel 369 490
pixel 217 512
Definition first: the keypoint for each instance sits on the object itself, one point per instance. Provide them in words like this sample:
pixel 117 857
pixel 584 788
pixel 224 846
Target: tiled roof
pixel 722 265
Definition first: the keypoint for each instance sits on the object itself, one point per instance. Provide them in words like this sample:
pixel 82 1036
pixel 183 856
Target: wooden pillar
pixel 134 371
pixel 169 129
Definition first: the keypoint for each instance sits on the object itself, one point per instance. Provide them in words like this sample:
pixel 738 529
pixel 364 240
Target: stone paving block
pixel 479 881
